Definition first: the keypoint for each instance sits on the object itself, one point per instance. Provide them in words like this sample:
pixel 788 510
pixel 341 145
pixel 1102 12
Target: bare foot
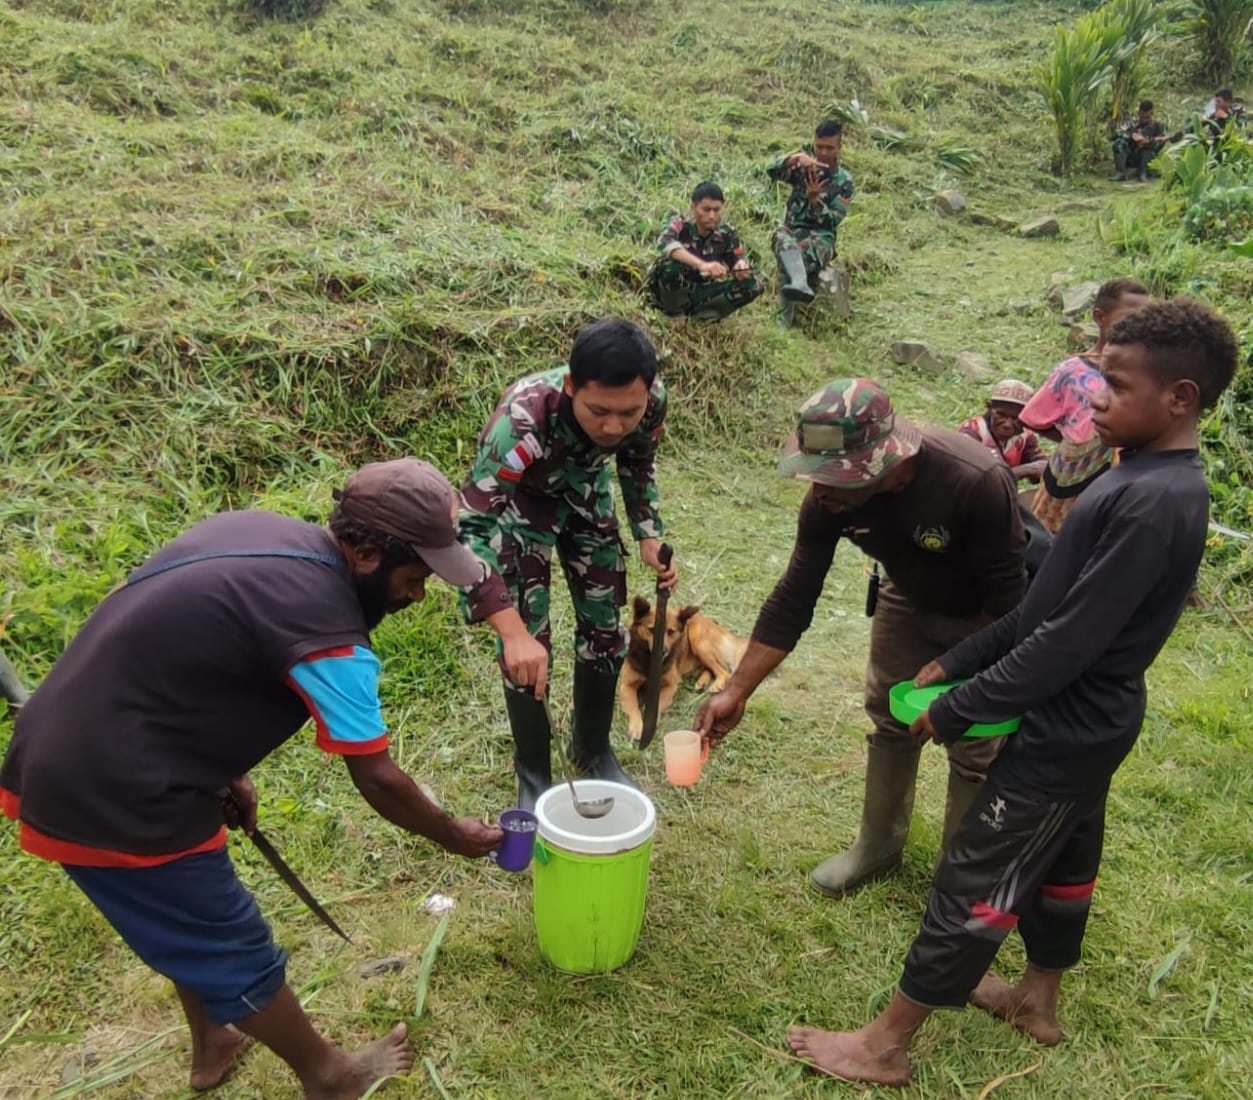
pixel 211 1064
pixel 995 995
pixel 390 1056
pixel 845 1054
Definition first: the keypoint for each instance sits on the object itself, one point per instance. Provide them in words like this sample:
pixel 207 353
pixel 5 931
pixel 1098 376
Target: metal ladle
pixel 584 807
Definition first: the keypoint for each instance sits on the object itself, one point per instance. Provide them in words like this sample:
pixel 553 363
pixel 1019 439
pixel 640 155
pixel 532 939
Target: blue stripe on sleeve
pixel 341 689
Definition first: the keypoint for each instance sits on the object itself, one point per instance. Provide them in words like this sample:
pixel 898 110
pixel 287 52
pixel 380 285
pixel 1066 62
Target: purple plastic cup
pixel 515 853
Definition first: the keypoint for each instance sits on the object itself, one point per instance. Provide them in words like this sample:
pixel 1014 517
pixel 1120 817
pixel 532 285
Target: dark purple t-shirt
pixel 177 684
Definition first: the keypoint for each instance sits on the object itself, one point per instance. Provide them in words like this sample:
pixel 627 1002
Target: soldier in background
pixel 821 192
pixel 541 481
pixel 702 271
pixel 1137 142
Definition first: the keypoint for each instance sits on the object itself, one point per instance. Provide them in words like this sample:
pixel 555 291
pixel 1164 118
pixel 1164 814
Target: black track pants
pixel 1022 858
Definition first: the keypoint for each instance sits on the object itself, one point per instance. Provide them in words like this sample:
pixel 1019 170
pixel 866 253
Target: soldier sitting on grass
pixel 821 192
pixel 702 270
pixel 1137 142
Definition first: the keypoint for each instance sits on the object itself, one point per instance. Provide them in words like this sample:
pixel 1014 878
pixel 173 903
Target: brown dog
pixel 694 643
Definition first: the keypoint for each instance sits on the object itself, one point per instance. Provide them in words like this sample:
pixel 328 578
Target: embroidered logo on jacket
pixel 935 539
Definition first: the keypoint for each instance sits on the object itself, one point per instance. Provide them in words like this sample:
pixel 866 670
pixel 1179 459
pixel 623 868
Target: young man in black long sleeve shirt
pixel 1071 660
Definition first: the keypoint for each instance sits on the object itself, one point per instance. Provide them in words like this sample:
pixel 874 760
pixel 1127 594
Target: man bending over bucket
pixel 541 482
pixel 1070 659
pixel 939 512
pixel 216 651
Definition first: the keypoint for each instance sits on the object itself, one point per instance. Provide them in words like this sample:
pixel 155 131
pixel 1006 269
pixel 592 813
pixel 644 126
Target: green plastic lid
pixel 906 702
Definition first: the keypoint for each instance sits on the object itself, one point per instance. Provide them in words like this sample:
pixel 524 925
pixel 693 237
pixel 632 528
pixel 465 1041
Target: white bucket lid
pixel 627 825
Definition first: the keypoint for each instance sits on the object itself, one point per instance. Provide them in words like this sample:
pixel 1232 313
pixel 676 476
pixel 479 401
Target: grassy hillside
pixel 241 253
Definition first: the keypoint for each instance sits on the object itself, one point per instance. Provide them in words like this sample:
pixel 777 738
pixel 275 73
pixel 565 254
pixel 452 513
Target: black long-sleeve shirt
pixel 951 541
pixel 1071 657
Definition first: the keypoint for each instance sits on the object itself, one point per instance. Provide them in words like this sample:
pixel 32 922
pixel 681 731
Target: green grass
pixel 240 254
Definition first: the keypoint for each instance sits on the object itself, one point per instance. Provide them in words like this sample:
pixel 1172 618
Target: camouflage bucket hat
pixel 848 436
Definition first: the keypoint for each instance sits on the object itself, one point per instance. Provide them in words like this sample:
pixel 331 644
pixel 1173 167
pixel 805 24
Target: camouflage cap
pixel 1012 392
pixel 848 436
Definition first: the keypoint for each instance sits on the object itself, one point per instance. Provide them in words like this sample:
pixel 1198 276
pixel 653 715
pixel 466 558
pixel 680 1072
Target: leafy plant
pixel 1221 214
pixel 1130 27
pixel 1107 46
pixel 1221 28
pixel 1077 66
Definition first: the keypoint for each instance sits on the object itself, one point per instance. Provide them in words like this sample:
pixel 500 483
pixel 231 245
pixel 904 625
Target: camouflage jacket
pixel 722 245
pixel 1154 131
pixel 837 193
pixel 532 444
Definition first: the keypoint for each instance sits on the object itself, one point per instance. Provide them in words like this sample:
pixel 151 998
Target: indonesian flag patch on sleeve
pixel 518 459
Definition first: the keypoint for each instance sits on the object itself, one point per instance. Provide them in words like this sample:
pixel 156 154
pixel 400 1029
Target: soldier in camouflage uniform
pixel 1137 142
pixel 541 481
pixel 821 192
pixel 940 513
pixel 702 270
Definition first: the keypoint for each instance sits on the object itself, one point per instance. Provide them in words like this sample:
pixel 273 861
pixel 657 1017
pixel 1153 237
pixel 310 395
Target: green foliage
pixel 240 254
pixel 1105 47
pixel 1222 214
pixel 1221 29
pixel 1130 28
pixel 1076 67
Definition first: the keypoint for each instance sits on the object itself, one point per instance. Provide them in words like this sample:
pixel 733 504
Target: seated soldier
pixel 1222 113
pixel 1137 142
pixel 821 192
pixel 702 270
pixel 1002 433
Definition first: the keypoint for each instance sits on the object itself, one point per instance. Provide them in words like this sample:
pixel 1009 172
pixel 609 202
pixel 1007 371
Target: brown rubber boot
pixel 885 813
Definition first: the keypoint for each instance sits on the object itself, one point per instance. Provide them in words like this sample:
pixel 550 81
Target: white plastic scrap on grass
pixel 438 904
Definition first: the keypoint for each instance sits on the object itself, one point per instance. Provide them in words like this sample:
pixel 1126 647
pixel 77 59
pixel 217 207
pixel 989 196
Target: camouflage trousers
pixel 1129 155
pixel 675 289
pixel 589 546
pixel 816 246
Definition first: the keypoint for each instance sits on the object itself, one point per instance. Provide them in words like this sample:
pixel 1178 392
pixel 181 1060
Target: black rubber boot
pixel 795 282
pixel 787 312
pixel 532 740
pixel 595 695
pixel 1120 166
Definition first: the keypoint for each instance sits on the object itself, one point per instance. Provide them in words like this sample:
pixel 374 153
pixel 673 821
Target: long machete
pixel 657 656
pixel 284 871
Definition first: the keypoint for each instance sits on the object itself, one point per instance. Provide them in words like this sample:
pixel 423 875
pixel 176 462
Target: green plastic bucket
pixel 591 876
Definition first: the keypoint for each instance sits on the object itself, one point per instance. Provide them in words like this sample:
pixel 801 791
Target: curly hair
pixel 1183 338
pixel 394 551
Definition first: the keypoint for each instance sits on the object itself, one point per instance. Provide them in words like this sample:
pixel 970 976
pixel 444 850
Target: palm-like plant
pixel 1222 27
pixel 1128 27
pixel 1076 68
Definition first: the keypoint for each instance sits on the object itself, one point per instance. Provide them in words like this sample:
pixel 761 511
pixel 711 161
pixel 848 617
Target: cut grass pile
pixel 240 254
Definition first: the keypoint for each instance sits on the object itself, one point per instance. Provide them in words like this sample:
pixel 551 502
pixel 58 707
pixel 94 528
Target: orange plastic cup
pixel 684 756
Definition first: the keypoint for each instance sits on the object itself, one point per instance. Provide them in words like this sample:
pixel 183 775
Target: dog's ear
pixel 687 612
pixel 641 607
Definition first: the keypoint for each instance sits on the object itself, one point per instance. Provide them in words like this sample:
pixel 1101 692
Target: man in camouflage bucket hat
pixel 848 436
pixel 541 482
pixel 939 512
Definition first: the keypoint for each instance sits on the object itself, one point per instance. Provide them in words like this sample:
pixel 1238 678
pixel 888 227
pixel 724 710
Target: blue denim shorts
pixel 192 920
